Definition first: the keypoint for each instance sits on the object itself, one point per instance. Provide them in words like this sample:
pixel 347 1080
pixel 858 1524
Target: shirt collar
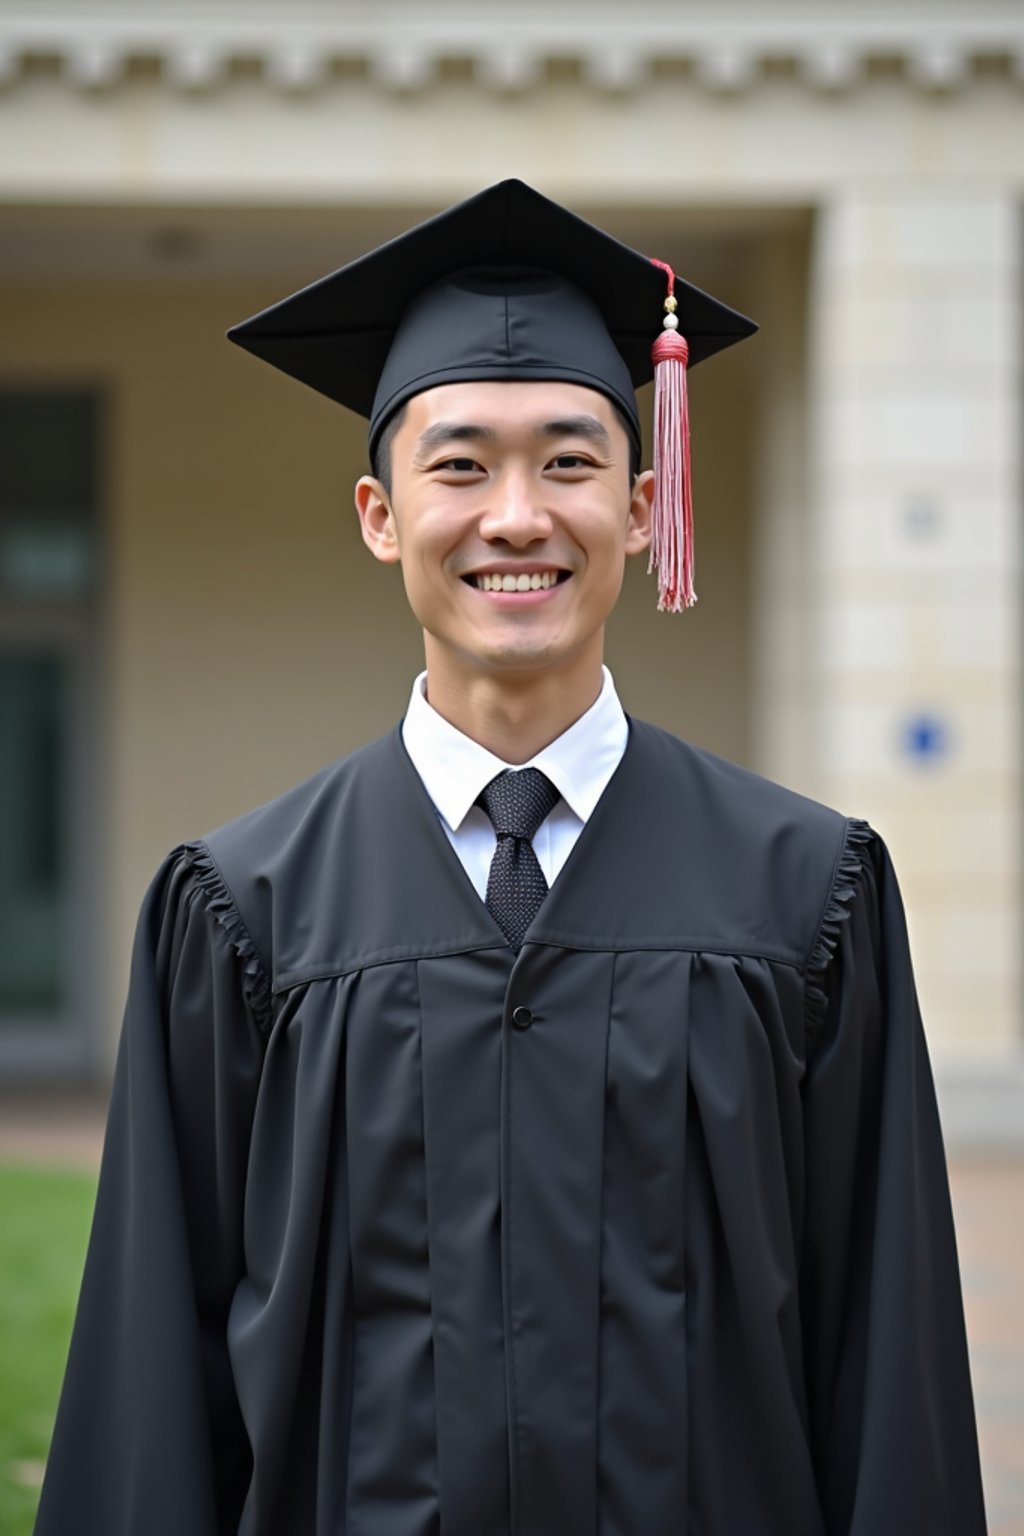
pixel 455 768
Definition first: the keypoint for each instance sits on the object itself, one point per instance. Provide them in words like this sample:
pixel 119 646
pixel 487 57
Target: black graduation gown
pixel 643 1232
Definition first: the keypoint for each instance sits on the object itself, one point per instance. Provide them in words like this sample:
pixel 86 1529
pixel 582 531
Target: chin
pixel 524 656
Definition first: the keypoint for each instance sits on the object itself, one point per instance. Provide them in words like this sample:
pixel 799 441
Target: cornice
pixel 728 47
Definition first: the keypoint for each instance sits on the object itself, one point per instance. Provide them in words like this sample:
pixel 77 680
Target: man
pixel 525 1125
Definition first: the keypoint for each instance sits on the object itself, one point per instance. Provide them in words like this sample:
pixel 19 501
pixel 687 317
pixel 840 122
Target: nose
pixel 515 511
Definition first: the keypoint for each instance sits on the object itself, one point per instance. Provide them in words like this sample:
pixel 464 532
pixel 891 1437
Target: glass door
pixel 46 975
pixel 48 747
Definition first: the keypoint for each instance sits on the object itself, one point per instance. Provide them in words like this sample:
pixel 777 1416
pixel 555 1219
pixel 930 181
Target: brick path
pixel 988 1197
pixel 52 1129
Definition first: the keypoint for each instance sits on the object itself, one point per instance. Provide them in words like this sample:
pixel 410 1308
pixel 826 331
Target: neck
pixel 513 717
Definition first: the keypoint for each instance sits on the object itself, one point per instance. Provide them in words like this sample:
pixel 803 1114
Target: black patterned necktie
pixel 517 801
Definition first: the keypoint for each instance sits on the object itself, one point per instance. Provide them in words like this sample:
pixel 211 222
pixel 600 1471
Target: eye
pixel 459 466
pixel 570 461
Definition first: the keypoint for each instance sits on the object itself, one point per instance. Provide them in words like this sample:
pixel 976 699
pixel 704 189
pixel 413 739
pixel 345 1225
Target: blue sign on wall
pixel 926 737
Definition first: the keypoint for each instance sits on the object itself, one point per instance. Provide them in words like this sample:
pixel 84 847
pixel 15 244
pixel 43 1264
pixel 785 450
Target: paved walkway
pixel 988 1197
pixel 52 1129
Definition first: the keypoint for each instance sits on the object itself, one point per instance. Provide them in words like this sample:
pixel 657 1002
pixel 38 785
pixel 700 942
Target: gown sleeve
pixel 892 1416
pixel 148 1434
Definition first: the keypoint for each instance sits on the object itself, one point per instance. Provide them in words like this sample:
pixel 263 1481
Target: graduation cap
pixel 510 285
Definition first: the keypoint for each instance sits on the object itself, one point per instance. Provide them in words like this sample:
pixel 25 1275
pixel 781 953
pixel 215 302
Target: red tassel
pixel 672 521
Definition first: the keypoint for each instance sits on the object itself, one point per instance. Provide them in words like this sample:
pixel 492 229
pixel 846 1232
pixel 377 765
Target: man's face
pixel 512 512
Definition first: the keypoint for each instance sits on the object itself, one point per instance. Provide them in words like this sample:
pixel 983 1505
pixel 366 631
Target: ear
pixel 376 520
pixel 641 504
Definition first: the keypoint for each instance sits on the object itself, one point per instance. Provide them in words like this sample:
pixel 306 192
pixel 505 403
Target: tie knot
pixel 518 800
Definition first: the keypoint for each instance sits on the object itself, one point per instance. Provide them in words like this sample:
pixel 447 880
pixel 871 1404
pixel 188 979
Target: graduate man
pixel 524 1127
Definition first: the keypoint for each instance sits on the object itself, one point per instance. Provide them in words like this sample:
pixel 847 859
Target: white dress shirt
pixel 454 770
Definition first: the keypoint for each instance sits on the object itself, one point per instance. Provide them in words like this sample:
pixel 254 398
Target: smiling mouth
pixel 507 581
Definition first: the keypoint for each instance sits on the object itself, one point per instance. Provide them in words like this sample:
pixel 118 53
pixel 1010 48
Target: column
pixel 916 421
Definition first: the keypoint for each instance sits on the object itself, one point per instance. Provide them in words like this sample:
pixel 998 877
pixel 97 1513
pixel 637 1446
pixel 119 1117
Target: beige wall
pixel 917 329
pixel 247 636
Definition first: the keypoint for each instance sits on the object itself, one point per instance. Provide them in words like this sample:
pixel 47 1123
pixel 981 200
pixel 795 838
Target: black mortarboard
pixel 507 285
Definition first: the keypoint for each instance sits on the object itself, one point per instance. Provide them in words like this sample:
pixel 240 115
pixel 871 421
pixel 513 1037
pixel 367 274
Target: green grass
pixel 44 1225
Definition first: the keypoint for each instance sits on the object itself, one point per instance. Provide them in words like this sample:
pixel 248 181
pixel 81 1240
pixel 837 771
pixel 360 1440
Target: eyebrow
pixel 577 426
pixel 443 432
pixel 452 432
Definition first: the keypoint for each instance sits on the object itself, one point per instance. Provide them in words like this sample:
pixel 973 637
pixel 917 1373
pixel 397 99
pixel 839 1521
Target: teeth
pixel 536 582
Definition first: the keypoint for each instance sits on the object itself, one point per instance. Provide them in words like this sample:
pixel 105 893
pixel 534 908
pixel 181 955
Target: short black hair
pixel 380 459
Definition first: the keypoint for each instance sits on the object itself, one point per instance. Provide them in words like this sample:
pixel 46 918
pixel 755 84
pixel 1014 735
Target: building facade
pixel 189 622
